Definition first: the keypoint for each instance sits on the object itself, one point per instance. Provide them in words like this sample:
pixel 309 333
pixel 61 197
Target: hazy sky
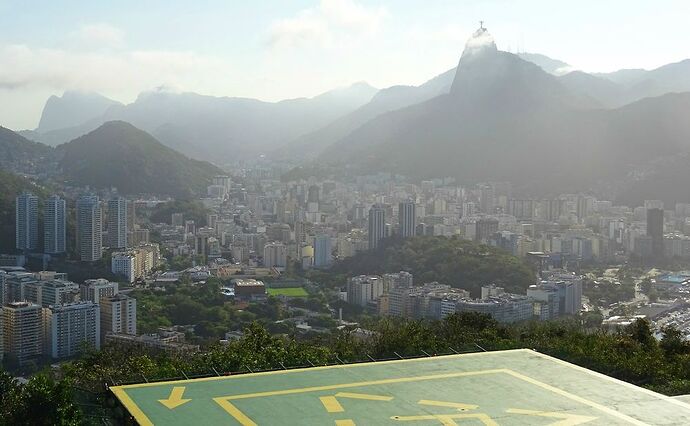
pixel 280 49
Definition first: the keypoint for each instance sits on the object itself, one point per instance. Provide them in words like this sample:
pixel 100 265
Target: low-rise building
pixel 249 289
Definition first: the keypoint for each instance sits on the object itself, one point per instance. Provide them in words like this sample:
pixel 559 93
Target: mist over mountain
pixel 508 119
pixel 72 109
pixel 470 122
pixel 218 128
pixel 119 155
pixel 385 100
pixel 550 65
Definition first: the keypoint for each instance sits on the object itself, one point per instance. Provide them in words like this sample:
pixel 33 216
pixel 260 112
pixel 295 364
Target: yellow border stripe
pixel 613 379
pixel 131 406
pixel 579 399
pixel 324 367
pixel 357 384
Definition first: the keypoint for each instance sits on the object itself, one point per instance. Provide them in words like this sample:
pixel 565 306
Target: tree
pixel 41 401
pixel 641 332
pixel 673 343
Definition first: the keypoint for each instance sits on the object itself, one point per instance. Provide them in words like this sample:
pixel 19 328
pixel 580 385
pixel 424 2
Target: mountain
pixel 221 129
pixel 72 109
pixel 607 93
pixel 507 119
pixel 550 65
pixel 119 155
pixel 670 78
pixel 389 99
pixel 20 155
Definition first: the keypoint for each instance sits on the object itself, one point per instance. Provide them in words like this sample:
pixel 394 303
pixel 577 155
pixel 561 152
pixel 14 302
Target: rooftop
pixel 506 387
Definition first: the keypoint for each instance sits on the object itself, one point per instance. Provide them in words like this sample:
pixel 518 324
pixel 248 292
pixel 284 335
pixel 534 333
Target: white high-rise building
pixel 89 228
pixel 54 229
pixel 275 255
pixel 71 325
pixel 26 221
pixel 117 223
pixel 118 315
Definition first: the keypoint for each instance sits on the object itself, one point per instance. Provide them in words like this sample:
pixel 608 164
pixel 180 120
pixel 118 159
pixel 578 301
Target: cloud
pixel 101 35
pixel 22 66
pixel 331 23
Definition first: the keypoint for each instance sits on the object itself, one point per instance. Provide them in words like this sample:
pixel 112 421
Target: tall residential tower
pixel 377 225
pixel 117 223
pixel 407 219
pixel 89 228
pixel 26 222
pixel 54 229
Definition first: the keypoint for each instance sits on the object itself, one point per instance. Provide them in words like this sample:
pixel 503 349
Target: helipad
pixel 519 387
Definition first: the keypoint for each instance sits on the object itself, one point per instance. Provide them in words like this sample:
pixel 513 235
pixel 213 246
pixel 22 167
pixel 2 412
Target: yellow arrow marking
pixel 448 419
pixel 458 405
pixel 568 419
pixel 367 396
pixel 331 404
pixel 175 398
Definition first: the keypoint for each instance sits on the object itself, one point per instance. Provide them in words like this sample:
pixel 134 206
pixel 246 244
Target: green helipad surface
pixel 519 387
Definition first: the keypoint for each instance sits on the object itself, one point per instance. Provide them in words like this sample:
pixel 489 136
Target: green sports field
pixel 288 291
pixel 519 387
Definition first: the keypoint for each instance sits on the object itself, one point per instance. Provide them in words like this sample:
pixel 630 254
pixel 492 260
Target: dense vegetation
pixel 454 261
pixel 632 354
pixel 41 401
pixel 20 154
pixel 203 306
pixel 120 155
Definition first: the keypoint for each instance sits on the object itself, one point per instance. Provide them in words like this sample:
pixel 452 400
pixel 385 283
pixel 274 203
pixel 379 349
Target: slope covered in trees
pixel 120 155
pixel 454 261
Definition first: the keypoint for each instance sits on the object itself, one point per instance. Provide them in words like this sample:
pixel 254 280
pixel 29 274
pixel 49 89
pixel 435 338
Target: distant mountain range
pixel 526 118
pixel 203 127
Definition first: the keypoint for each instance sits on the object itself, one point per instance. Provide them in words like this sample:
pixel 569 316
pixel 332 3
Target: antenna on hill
pixel 481 25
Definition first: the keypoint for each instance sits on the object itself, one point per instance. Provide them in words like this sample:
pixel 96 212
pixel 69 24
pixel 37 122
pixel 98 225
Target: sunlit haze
pixel 276 50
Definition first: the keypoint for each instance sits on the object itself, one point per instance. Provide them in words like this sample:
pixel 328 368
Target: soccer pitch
pixel 288 291
pixel 518 387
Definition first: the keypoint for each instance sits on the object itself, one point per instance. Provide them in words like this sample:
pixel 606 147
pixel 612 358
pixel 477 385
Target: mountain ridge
pixel 121 155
